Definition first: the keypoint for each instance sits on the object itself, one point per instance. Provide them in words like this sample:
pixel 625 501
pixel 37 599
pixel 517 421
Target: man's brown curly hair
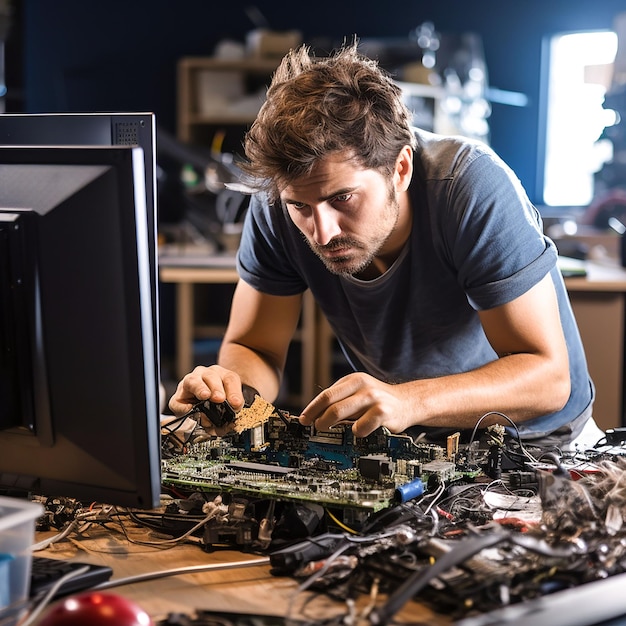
pixel 317 106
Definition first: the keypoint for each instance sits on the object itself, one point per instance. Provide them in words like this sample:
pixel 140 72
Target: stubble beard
pixel 361 253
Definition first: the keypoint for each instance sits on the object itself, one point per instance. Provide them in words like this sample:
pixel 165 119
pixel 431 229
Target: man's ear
pixel 404 169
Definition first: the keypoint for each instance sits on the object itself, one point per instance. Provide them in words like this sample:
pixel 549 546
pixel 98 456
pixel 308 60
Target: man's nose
pixel 325 224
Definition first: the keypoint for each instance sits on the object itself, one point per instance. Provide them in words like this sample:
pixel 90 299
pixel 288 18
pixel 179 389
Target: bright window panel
pixel 576 118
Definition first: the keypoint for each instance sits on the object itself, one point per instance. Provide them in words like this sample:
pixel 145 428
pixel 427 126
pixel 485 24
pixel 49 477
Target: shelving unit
pixel 213 93
pixel 428 104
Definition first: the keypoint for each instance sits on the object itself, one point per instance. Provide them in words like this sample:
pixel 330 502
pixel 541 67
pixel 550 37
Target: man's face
pixel 346 213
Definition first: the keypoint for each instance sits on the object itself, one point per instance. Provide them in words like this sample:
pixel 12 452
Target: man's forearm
pixel 253 368
pixel 520 386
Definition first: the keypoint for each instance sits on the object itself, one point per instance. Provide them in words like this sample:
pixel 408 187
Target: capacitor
pixel 409 491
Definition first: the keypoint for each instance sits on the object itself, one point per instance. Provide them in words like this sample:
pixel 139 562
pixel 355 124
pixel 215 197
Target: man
pixel 423 252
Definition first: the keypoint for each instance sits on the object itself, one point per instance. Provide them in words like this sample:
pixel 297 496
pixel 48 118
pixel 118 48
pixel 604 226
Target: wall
pixel 110 55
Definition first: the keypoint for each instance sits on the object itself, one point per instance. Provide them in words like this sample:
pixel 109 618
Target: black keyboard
pixel 45 572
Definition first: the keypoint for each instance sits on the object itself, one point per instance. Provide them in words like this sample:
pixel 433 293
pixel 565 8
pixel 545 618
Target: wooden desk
pixel 599 304
pixel 186 277
pixel 249 589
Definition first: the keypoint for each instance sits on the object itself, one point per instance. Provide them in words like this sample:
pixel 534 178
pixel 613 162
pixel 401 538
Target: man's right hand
pixel 214 383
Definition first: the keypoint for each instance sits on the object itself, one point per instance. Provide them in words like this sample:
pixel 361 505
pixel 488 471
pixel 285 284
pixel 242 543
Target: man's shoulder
pixel 445 156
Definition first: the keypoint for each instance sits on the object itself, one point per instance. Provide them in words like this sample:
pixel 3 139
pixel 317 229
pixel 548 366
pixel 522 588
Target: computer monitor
pixel 79 407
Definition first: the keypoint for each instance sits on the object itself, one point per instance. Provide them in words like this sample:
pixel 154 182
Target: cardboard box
pixel 271 44
pixel 17 536
pixel 217 89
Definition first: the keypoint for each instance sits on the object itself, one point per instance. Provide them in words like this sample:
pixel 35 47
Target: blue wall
pixel 116 55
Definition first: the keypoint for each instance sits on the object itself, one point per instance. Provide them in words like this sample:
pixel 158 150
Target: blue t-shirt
pixel 476 243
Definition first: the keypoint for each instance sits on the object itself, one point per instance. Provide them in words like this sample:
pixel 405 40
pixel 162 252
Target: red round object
pixel 95 609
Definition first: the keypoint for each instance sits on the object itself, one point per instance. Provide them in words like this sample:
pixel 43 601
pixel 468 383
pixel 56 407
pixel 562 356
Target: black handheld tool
pixel 220 414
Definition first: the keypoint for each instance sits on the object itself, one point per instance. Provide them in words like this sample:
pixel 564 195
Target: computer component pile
pixel 465 527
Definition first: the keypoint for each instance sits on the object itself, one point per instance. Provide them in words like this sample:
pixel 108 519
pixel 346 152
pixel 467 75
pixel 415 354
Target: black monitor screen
pixel 79 409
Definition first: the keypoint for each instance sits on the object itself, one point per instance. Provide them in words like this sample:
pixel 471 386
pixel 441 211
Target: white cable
pixel 43 603
pixel 178 571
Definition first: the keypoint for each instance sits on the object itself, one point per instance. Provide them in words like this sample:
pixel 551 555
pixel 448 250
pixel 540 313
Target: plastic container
pixel 17 536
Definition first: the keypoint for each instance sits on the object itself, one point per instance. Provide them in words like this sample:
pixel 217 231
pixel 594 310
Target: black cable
pixel 513 425
pixel 556 461
pixel 419 579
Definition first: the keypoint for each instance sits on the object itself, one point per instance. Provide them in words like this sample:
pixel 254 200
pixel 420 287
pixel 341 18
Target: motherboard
pixel 285 460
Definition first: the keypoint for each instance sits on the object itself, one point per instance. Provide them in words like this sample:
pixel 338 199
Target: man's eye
pixel 298 206
pixel 344 197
